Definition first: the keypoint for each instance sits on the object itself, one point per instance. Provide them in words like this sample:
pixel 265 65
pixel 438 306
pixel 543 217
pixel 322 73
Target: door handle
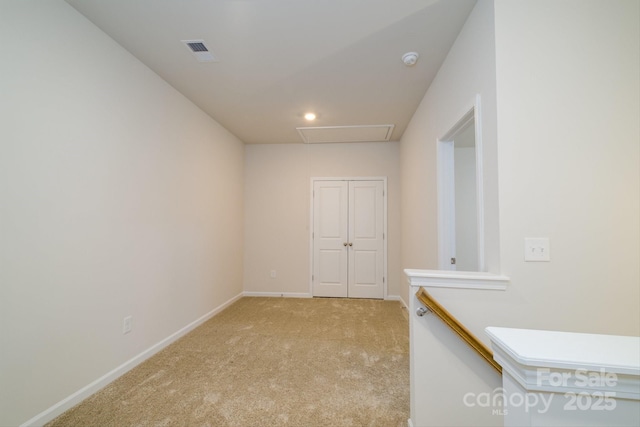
pixel 350 244
pixel 345 244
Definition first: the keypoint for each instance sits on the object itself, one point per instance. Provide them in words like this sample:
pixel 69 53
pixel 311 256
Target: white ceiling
pixel 278 59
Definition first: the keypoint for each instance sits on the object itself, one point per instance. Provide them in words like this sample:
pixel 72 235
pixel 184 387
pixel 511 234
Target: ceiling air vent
pixel 200 51
pixel 327 134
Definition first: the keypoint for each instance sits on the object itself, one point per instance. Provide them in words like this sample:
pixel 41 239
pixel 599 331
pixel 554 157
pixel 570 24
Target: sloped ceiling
pixel 278 59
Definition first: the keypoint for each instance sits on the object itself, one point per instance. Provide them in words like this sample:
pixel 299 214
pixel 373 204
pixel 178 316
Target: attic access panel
pixel 328 134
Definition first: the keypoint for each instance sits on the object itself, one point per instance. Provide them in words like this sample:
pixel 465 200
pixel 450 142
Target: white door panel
pixel 331 207
pixel 366 228
pixel 330 233
pixel 363 272
pixel 327 261
pixel 348 239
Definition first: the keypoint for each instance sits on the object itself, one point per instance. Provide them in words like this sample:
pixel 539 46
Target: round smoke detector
pixel 410 58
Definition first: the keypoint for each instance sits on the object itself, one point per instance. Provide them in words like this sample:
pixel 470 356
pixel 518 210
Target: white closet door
pixel 366 239
pixel 330 234
pixel 348 239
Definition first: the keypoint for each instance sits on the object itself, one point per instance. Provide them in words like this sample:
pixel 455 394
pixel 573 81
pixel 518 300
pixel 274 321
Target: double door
pixel 348 239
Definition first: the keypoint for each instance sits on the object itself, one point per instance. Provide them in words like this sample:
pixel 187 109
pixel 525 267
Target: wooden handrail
pixel 426 299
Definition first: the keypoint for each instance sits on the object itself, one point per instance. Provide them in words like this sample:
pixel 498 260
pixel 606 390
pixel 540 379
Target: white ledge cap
pixel 529 355
pixel 457 279
pixel 568 350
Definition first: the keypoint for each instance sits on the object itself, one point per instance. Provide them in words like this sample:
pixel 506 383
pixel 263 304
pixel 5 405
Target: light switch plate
pixel 537 249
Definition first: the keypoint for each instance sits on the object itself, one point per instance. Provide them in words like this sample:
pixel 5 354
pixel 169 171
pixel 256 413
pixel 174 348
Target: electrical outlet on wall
pixel 127 324
pixel 537 249
pixel 273 274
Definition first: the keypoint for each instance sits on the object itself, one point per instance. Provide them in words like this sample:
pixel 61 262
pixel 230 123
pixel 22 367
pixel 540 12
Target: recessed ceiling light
pixel 310 116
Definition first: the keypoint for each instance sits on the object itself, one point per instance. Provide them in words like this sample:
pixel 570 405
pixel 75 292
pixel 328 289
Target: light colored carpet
pixel 269 362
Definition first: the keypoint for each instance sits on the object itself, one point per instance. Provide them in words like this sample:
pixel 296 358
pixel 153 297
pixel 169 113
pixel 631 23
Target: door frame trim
pixel 385 281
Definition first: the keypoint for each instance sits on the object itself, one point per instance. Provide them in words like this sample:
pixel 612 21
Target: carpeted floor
pixel 269 362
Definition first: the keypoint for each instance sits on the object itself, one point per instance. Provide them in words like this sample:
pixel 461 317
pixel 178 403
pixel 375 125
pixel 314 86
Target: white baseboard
pixel 77 397
pixel 409 423
pixel 397 298
pixel 277 294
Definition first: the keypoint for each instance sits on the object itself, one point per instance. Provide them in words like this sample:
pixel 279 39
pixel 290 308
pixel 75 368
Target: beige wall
pixel 564 128
pixel 466 208
pixel 277 203
pixel 449 97
pixel 567 142
pixel 569 158
pixel 443 369
pixel 117 197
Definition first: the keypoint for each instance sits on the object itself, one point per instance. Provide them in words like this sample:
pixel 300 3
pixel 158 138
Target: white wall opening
pixel 460 194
